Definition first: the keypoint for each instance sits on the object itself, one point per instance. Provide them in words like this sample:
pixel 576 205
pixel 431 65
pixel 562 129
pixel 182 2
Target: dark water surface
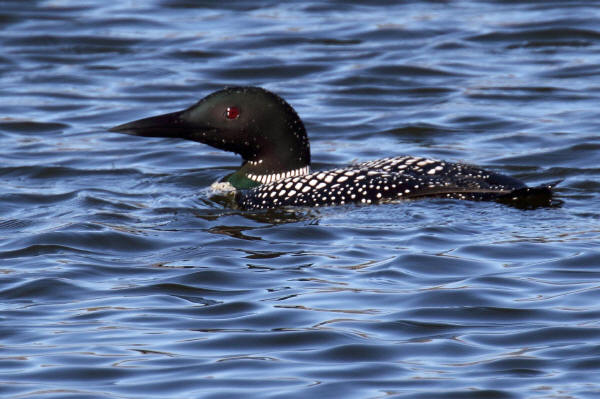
pixel 122 277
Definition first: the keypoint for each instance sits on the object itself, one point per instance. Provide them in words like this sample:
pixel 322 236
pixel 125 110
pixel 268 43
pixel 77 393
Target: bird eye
pixel 232 112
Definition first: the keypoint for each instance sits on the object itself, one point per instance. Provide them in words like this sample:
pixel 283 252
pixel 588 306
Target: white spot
pixel 378 195
pixel 291 193
pixel 321 185
pixel 298 186
pixel 288 185
pixel 342 179
pixel 320 176
pixel 329 178
pixel 281 192
pixel 305 189
pixel 312 182
pixel 431 171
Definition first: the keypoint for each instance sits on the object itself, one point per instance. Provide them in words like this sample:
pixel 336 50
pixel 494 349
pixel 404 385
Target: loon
pixel 270 137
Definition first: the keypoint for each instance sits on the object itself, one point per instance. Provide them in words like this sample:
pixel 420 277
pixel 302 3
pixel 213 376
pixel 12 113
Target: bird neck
pixel 255 173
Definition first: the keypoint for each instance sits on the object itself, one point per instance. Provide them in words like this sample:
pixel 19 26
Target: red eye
pixel 232 112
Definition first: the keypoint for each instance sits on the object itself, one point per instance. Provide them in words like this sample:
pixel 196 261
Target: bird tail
pixel 532 197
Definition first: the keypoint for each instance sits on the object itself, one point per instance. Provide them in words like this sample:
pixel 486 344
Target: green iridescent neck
pixel 240 181
pixel 249 177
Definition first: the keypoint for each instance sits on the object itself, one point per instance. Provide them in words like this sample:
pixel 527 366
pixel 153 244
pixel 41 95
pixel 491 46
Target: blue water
pixel 121 276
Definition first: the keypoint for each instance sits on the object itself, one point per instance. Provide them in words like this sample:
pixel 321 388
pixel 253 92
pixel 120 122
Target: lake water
pixel 122 277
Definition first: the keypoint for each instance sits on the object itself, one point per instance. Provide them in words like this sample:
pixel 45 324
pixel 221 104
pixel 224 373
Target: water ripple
pixel 123 276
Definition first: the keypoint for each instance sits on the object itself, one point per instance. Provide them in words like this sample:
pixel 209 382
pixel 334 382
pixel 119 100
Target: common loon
pixel 270 136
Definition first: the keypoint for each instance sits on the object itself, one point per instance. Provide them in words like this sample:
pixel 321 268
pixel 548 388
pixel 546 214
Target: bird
pixel 268 134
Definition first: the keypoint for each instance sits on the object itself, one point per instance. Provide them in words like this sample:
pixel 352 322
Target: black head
pixel 253 122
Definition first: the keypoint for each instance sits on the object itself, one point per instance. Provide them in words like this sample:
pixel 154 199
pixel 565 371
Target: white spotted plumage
pixel 378 181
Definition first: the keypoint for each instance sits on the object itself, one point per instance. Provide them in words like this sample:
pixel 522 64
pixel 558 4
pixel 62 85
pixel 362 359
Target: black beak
pixel 167 125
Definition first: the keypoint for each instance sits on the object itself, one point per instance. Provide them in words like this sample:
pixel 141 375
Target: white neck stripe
pixel 265 179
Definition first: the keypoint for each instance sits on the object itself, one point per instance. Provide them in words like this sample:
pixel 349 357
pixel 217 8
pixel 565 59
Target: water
pixel 121 277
